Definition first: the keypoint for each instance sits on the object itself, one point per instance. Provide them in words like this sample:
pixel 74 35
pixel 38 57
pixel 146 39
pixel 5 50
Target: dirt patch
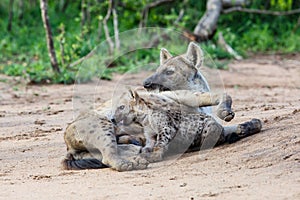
pixel 264 166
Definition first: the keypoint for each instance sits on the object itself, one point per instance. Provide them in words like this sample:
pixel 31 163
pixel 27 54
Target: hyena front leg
pixel 158 137
pixel 156 149
pixel 101 136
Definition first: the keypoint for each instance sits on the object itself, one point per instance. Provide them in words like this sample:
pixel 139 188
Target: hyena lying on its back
pixel 171 123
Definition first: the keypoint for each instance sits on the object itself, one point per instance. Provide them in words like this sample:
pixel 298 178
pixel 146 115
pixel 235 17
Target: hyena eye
pixel 169 72
pixel 122 107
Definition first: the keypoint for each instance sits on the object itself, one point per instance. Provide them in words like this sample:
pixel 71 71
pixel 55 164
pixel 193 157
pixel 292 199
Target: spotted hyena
pixel 183 73
pixel 169 123
pixel 92 143
pixel 94 140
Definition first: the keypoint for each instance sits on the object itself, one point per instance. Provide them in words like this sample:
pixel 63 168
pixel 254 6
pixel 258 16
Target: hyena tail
pixel 70 163
pixel 237 132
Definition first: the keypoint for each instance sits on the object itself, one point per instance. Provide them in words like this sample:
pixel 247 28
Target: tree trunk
pixel 207 25
pixel 32 3
pixel 10 15
pixel 49 38
pixel 63 5
pixel 83 16
pixel 62 44
pixel 99 29
pixel 88 14
pixel 105 27
pixel 21 10
pixel 116 28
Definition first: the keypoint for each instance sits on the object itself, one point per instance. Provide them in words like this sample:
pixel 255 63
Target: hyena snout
pixel 154 82
pixel 147 83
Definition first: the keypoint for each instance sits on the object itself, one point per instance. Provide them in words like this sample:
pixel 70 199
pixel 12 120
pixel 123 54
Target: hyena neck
pixel 141 110
pixel 141 118
pixel 199 83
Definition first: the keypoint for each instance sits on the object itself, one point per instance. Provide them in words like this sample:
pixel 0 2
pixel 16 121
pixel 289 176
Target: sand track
pixel 264 166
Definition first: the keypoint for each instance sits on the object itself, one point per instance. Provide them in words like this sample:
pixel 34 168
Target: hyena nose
pixel 113 120
pixel 147 83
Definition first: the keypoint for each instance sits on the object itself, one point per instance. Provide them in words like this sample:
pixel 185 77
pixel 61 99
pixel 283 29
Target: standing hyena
pixel 182 73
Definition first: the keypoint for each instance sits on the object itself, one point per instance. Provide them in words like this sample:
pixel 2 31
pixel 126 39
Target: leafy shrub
pixel 23 51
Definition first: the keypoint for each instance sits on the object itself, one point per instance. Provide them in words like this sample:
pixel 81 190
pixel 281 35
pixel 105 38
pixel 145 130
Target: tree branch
pixel 232 3
pixel 10 17
pixel 157 3
pixel 116 29
pixel 180 16
pixel 297 25
pixel 263 12
pixel 105 27
pixel 21 10
pixel 222 43
pixel 83 15
pixel 207 25
pixel 79 61
pixel 155 41
pixel 50 44
pixel 147 8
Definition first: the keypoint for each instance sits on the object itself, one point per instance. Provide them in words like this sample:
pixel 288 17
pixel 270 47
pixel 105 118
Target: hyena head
pixel 124 109
pixel 179 72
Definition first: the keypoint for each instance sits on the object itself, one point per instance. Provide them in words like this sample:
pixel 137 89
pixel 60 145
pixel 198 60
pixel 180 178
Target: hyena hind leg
pixel 237 132
pixel 212 134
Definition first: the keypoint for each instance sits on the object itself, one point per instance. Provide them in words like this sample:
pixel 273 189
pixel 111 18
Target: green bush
pixel 23 51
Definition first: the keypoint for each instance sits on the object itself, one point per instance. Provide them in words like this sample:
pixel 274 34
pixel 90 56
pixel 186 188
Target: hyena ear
pixel 131 92
pixel 195 55
pixel 134 94
pixel 164 55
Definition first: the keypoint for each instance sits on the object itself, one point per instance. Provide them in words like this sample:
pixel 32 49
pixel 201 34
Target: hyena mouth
pixel 158 87
pixel 161 89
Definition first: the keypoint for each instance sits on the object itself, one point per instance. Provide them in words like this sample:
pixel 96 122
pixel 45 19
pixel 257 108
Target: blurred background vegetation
pixel 77 27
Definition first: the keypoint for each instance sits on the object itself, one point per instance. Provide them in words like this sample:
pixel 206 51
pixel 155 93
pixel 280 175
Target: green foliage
pixel 262 33
pixel 23 51
pixel 216 52
pixel 281 4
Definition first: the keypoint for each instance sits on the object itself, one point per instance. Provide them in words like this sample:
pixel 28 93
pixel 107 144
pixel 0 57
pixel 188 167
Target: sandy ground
pixel 263 166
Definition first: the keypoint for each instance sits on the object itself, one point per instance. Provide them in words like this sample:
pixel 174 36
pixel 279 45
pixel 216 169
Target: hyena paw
pixel 122 165
pixel 139 162
pixel 250 127
pixel 224 111
pixel 135 162
pixel 154 156
pixel 226 115
pixel 244 130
